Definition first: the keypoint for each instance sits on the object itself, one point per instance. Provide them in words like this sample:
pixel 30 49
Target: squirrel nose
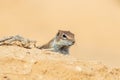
pixel 73 42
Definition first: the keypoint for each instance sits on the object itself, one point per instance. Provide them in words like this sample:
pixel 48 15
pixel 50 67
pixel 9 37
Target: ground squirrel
pixel 60 43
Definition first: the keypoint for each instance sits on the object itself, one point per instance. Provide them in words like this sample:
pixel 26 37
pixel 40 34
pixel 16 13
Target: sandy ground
pixel 17 63
pixel 95 23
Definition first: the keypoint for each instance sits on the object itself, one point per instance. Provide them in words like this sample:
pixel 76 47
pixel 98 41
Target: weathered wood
pixel 18 41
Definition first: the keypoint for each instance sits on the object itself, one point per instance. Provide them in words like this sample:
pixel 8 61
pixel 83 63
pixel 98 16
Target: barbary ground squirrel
pixel 60 43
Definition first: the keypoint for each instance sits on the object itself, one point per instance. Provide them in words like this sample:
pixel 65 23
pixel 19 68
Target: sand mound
pixel 18 63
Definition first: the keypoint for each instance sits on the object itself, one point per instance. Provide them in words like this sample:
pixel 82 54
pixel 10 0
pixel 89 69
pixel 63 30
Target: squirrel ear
pixel 59 31
pixel 58 34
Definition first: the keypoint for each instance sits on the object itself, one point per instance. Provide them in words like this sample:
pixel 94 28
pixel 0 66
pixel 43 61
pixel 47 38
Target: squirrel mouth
pixel 70 44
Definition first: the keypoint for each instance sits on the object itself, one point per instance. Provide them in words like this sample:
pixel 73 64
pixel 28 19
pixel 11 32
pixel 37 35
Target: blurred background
pixel 95 23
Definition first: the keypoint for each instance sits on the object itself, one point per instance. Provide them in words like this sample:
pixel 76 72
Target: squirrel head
pixel 65 38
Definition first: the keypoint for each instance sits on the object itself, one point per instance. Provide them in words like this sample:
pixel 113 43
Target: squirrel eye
pixel 64 36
